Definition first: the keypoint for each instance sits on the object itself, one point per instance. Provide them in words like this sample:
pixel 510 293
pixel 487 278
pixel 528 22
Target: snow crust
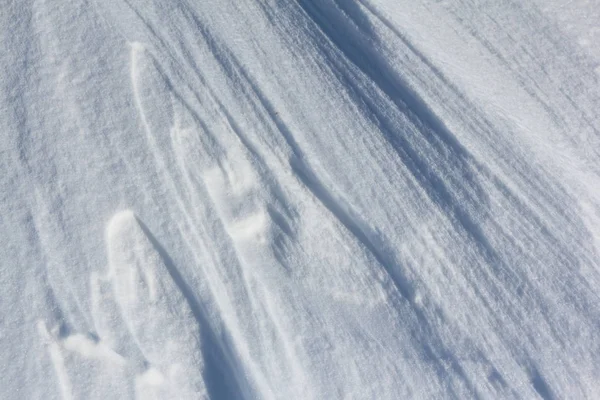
pixel 334 199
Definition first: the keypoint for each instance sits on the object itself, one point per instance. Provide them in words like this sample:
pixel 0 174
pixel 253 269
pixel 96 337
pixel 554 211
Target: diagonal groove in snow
pixel 429 341
pixel 160 318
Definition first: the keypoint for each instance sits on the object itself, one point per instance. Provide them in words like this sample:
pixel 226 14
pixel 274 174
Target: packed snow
pixel 309 199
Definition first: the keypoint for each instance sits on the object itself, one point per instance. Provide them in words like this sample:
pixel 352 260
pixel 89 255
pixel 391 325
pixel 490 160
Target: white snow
pixel 365 199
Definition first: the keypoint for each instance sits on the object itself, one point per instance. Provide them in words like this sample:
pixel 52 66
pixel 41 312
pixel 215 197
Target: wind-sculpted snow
pixel 297 200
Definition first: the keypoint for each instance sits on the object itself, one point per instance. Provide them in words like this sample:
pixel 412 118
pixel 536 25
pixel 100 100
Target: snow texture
pixel 298 199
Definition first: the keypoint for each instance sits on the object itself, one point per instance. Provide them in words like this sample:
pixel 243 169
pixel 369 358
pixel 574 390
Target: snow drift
pixel 297 199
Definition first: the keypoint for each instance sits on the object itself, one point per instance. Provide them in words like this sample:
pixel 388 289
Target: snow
pixel 367 199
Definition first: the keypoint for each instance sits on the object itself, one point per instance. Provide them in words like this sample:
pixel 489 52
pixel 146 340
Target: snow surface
pixel 362 199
